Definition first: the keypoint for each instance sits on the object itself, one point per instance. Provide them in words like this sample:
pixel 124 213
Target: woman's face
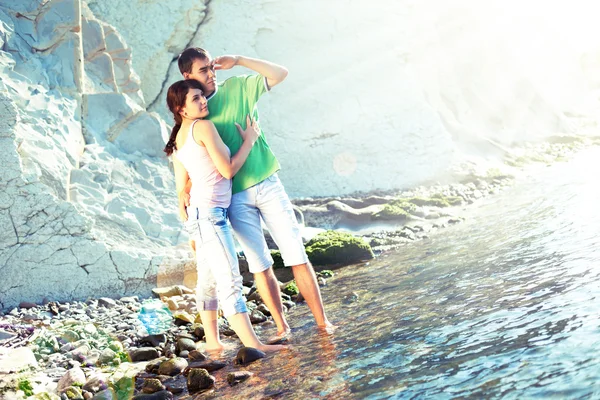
pixel 195 105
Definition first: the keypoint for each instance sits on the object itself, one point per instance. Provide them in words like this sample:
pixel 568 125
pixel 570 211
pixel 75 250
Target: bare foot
pixel 270 347
pixel 327 327
pixel 214 347
pixel 280 337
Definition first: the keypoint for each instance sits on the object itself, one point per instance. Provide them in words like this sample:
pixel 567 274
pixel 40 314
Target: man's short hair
pixel 188 56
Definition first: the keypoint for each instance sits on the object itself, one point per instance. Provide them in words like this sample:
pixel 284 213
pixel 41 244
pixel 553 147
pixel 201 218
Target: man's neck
pixel 209 96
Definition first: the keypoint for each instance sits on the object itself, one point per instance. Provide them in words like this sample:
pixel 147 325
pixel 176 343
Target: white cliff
pixel 392 94
pixel 87 202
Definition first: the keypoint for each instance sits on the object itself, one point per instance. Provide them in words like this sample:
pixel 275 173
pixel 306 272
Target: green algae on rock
pixel 333 247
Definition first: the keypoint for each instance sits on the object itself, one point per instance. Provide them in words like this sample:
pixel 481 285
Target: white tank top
pixel 209 188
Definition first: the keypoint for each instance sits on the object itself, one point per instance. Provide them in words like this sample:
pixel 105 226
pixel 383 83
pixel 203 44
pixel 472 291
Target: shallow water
pixel 503 305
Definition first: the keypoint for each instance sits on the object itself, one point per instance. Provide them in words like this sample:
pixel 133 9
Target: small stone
pixel 95 383
pixel 289 304
pixel 173 366
pixel 107 394
pixel 256 317
pixel 70 336
pixel 236 377
pixel 195 355
pixel 321 281
pixel 199 332
pixel 106 302
pixel 162 395
pixel 247 355
pixel 129 300
pixel 152 386
pixel 263 309
pixel 73 377
pixel 209 365
pixel 176 384
pixel 152 366
pixel 27 305
pixel 154 340
pixel 74 393
pixel 107 356
pixel 185 344
pixel 143 354
pixel 199 379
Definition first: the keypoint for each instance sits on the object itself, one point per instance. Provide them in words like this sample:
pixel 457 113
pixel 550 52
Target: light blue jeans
pixel 219 278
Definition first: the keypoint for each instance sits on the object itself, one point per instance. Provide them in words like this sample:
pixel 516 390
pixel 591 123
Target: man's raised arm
pixel 273 72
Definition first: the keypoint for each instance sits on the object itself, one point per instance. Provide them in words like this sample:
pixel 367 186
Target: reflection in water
pixel 503 305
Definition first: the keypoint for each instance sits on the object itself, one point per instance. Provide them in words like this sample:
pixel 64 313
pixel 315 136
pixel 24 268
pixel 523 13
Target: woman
pixel 200 153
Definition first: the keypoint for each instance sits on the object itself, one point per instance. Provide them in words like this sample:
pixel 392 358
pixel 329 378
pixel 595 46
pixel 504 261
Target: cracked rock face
pixel 387 97
pixel 158 33
pixel 87 202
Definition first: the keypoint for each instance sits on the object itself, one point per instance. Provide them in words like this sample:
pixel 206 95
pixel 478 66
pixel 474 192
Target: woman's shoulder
pixel 203 125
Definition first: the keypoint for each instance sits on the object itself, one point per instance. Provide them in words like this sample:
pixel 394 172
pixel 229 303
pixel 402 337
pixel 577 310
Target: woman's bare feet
pixel 271 347
pixel 214 347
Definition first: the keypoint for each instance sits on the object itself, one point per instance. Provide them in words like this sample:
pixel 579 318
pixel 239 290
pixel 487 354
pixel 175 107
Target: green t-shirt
pixel 235 98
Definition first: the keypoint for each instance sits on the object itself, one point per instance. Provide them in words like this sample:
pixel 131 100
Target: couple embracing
pixel 226 177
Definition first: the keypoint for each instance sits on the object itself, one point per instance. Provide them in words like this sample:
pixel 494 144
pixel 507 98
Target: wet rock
pixel 184 354
pixel 195 355
pixel 321 281
pixel 351 298
pixel 289 304
pixel 152 366
pixel 143 354
pixel 209 365
pixel 256 317
pixel 331 247
pixel 162 395
pixel 199 332
pixel 152 386
pixel 226 330
pixel 236 377
pixel 172 367
pixel 263 309
pixel 185 344
pixel 247 355
pixel 176 384
pixel 199 379
pixel 290 288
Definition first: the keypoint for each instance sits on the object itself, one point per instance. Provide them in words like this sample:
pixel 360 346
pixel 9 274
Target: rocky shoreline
pixel 117 348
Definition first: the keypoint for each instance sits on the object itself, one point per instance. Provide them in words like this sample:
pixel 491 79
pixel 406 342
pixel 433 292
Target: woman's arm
pixel 181 181
pixel 206 133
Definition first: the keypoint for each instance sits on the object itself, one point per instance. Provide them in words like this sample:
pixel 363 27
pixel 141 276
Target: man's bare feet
pixel 328 327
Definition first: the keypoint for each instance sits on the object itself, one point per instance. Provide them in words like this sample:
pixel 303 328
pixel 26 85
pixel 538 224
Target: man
pixel 257 191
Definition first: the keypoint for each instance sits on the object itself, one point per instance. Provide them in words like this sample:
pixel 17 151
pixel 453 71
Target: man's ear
pixel 186 75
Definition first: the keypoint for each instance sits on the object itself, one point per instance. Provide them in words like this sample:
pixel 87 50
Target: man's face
pixel 204 72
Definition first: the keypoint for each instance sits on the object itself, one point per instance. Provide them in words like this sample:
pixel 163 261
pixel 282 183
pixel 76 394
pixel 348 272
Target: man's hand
pixel 225 62
pixel 184 201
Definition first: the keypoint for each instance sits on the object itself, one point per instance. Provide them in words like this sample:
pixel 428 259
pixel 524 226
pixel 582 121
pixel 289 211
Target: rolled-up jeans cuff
pixel 208 305
pixel 239 306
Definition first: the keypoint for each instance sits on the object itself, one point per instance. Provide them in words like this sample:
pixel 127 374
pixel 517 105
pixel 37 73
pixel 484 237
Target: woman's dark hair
pixel 176 96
